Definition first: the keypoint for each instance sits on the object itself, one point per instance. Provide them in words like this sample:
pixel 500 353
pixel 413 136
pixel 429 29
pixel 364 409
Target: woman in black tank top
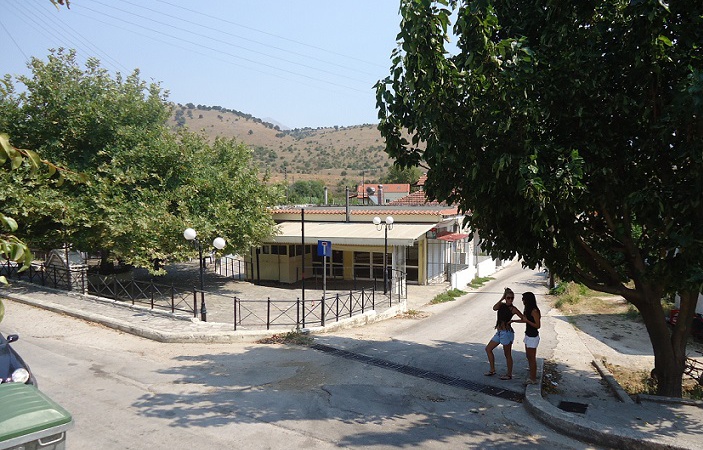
pixel 531 317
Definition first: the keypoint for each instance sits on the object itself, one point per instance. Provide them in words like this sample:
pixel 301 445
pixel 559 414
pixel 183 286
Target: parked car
pixel 13 369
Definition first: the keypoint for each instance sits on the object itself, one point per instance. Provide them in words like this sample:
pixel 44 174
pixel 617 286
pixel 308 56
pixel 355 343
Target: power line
pixel 269 34
pixel 244 38
pixel 65 31
pixel 219 41
pixel 26 58
pixel 177 38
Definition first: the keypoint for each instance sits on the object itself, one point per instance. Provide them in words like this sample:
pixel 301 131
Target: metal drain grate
pixel 573 407
pixel 422 373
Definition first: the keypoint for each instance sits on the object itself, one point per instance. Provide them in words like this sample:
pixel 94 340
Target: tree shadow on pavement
pixel 338 400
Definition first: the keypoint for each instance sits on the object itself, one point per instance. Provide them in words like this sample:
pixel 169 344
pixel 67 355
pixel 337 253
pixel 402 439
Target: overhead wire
pixel 65 31
pixel 178 38
pixel 317 69
pixel 270 34
pixel 244 38
pixel 228 61
pixel 26 58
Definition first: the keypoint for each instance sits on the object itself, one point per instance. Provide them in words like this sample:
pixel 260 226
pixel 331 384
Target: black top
pixel 529 329
pixel 504 316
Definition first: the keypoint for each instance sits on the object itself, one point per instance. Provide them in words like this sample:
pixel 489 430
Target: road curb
pixel 586 430
pixel 195 336
pixel 612 382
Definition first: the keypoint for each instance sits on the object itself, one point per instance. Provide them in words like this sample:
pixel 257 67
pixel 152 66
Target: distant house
pixel 381 194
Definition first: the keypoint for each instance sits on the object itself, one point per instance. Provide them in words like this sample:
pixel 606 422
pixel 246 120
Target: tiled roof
pixel 416 198
pixel 422 180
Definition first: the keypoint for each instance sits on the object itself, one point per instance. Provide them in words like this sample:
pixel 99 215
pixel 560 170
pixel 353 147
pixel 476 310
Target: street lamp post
pixel 219 243
pixel 387 225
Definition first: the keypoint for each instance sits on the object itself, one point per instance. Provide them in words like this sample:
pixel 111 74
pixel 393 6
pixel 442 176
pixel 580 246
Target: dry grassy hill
pixel 337 156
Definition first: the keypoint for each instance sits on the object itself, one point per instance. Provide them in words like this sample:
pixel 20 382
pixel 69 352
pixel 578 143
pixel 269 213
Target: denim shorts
pixel 505 337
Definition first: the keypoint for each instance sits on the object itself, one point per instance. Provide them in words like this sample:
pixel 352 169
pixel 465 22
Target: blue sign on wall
pixel 324 248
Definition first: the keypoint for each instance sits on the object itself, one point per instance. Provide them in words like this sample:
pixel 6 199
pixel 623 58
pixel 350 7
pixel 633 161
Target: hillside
pixel 337 156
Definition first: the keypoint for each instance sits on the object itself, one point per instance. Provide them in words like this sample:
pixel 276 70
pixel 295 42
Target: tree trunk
pixel 106 266
pixel 669 347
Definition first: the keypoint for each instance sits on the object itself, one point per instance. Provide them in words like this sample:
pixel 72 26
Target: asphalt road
pixel 126 392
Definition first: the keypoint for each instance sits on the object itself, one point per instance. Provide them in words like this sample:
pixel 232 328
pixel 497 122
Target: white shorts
pixel 531 342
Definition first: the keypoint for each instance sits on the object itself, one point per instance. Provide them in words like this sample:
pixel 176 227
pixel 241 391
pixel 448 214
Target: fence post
pixel 302 310
pixel 268 313
pixel 336 308
pixel 373 299
pixel 151 287
pixel 363 300
pixel 235 313
pixel 195 303
pixel 54 268
pixel 297 313
pixel 322 315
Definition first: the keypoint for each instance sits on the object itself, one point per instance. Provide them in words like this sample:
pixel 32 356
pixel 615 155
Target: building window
pixel 335 264
pixel 412 261
pixel 279 249
pixel 369 265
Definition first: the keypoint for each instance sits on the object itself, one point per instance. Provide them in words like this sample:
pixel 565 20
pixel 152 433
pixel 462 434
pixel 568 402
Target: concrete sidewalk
pixel 607 420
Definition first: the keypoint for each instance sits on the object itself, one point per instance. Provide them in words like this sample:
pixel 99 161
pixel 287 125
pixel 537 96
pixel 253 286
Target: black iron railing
pixel 244 313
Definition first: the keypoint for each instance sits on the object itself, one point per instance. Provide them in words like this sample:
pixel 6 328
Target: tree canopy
pixel 572 132
pixel 145 184
pixel 304 191
pixel 398 174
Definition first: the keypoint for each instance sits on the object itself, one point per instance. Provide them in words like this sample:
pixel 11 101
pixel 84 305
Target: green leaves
pixel 9 153
pixel 139 186
pixel 572 132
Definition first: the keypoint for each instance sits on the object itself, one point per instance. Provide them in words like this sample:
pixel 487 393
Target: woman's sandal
pixel 490 373
pixel 506 377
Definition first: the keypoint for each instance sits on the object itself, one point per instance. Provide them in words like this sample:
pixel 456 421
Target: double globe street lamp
pixel 219 243
pixel 387 225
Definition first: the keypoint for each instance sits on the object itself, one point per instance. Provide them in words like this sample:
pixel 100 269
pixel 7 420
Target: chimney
pixel 325 195
pixel 381 200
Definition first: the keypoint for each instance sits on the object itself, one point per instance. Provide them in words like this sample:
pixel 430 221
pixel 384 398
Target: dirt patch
pixel 290 338
pixel 413 314
pixel 550 378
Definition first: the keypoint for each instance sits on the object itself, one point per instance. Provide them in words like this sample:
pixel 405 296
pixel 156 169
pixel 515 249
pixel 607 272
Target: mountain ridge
pixel 337 156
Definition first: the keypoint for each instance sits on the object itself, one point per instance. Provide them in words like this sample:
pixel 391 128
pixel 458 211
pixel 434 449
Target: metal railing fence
pixel 242 313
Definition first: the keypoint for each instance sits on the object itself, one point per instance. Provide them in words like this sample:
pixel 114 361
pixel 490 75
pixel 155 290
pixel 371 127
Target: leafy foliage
pixel 11 247
pixel 573 134
pixel 398 174
pixel 306 191
pixel 144 184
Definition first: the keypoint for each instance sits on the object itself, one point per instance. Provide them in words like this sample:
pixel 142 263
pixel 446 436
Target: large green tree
pixel 144 185
pixel 572 132
pixel 305 191
pixel 399 174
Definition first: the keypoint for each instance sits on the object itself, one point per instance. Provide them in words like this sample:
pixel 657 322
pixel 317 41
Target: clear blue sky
pixel 304 63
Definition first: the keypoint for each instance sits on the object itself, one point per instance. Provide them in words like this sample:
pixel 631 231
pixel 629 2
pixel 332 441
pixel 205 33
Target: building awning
pixel 453 237
pixel 352 233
